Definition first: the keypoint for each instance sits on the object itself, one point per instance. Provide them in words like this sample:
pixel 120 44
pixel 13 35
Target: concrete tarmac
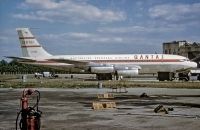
pixel 71 109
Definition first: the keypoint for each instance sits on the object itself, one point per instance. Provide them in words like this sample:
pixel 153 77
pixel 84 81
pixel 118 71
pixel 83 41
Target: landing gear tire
pixel 104 76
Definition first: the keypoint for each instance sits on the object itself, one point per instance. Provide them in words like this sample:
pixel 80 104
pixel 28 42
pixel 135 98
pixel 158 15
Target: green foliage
pixel 15 67
pixel 3 62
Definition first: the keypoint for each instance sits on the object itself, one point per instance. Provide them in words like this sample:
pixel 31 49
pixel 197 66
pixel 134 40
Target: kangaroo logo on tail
pixel 30 46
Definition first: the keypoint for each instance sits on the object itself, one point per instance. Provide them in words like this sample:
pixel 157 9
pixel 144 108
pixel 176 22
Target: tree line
pixel 13 67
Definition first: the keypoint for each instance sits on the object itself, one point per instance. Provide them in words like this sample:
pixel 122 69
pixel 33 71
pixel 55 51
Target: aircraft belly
pixel 159 68
pixel 155 67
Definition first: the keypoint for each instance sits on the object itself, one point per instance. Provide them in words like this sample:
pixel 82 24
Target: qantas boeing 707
pixel 104 66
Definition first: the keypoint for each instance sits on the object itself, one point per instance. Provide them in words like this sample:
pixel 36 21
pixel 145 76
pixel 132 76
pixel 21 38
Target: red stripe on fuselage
pixel 26 37
pixel 119 61
pixel 161 60
pixel 30 46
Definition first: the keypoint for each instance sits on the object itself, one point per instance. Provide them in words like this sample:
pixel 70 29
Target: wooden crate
pixel 103 105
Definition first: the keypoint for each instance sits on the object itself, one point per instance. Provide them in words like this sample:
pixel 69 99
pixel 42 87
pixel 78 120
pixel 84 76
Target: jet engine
pixel 102 69
pixel 127 73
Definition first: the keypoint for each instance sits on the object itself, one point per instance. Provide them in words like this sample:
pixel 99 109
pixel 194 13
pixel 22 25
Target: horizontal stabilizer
pixel 21 59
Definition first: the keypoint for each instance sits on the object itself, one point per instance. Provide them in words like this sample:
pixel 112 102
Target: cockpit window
pixel 184 60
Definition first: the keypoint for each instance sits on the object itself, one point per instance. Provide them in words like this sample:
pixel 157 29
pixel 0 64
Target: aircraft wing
pixel 68 61
pixel 21 59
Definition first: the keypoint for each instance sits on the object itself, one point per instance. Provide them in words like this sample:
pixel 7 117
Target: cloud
pixel 8 36
pixel 46 4
pixel 9 43
pixel 83 37
pixel 180 13
pixel 139 29
pixel 32 16
pixel 80 35
pixel 67 10
pixel 3 38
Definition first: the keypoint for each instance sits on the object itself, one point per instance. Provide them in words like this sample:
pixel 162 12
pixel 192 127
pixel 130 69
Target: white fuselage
pixel 149 63
pixel 34 53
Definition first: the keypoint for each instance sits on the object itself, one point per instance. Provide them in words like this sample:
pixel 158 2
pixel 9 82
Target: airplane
pixel 104 66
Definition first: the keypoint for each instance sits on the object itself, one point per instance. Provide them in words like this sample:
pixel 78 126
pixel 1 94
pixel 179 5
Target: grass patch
pixel 66 83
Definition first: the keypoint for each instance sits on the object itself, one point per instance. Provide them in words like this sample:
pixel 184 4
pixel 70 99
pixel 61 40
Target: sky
pixel 99 26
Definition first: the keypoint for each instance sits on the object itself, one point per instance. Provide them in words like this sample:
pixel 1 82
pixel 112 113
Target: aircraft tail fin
pixel 29 44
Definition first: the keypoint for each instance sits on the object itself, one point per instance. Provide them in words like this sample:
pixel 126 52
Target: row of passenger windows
pixel 98 58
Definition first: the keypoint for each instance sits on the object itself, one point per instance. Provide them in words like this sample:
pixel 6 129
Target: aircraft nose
pixel 193 64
